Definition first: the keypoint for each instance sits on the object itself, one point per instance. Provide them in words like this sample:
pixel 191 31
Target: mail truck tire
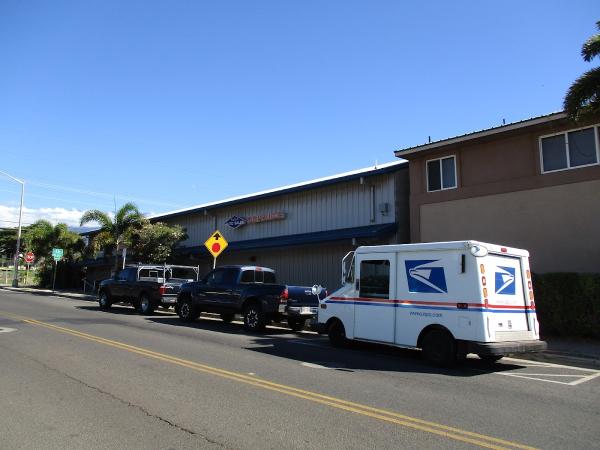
pixel 337 334
pixel 187 311
pixel 227 317
pixel 104 301
pixel 296 324
pixel 490 358
pixel 144 305
pixel 254 318
pixel 439 348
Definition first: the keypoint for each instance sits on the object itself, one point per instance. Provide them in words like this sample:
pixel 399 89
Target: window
pixel 441 174
pixel 258 276
pixel 375 279
pixel 569 150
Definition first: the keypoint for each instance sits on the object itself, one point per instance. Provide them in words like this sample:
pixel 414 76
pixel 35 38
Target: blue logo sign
pixel 424 276
pixel 505 280
pixel 236 222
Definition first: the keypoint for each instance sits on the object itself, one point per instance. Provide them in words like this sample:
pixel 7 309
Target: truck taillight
pixel 283 298
pixel 162 290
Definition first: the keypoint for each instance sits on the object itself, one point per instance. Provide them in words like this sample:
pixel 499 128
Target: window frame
pixel 595 127
pixel 442 188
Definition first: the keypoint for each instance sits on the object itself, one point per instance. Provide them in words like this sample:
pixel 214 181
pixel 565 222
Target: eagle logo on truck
pixel 424 276
pixel 505 280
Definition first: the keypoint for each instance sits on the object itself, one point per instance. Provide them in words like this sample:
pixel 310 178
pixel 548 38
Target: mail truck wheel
pixel 337 334
pixel 439 348
pixel 104 301
pixel 296 324
pixel 144 305
pixel 187 311
pixel 254 318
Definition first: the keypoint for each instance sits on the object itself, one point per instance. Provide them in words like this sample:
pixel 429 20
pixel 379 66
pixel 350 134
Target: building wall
pixel 343 205
pixel 557 224
pixel 495 176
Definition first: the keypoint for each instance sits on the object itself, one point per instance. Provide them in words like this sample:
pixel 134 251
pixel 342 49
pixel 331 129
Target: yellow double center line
pixel 364 410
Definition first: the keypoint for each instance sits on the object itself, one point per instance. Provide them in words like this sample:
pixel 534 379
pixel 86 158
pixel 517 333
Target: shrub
pixel 568 304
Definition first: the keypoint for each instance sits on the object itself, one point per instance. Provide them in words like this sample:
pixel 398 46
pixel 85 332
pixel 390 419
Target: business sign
pixel 505 280
pixel 237 222
pixel 425 276
pixel 57 254
pixel 216 243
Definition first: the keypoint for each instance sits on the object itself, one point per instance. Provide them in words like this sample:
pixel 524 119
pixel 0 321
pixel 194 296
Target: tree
pixel 154 242
pixel 8 242
pixel 583 97
pixel 113 231
pixel 42 237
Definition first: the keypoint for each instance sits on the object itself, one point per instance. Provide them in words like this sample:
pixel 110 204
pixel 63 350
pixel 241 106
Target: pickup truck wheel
pixel 439 348
pixel 145 306
pixel 187 311
pixel 337 334
pixel 104 301
pixel 227 317
pixel 254 318
pixel 296 324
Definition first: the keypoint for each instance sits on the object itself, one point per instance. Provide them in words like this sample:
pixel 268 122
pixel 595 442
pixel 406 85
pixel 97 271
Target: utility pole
pixel 15 282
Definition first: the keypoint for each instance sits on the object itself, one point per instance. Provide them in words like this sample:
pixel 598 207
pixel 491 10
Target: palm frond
pixel 95 215
pixel 127 210
pixel 583 97
pixel 591 48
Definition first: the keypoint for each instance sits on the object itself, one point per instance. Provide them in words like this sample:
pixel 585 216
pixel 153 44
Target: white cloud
pixel 9 216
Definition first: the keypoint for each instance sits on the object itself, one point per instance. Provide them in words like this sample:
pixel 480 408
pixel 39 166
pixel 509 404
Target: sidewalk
pixel 567 351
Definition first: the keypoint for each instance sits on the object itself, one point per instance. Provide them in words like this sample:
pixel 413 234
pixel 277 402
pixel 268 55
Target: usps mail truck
pixel 446 298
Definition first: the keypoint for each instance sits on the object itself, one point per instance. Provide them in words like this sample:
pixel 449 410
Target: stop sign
pixel 29 257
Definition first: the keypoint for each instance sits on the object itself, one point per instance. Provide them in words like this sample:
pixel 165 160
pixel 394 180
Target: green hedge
pixel 568 304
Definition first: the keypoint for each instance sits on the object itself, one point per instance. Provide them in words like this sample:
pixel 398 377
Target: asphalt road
pixel 73 376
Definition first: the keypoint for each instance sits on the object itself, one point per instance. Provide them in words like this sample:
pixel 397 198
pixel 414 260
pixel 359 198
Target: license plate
pixel 305 310
pixel 281 308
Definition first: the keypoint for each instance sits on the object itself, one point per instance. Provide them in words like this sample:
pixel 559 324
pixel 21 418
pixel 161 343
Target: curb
pixel 49 292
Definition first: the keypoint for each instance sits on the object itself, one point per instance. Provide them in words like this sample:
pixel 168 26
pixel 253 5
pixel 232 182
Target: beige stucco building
pixel 533 184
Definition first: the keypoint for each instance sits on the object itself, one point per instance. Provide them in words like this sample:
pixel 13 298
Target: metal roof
pixel 482 133
pixel 305 185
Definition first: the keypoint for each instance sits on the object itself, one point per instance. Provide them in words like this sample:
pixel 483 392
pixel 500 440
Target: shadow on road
pixel 315 351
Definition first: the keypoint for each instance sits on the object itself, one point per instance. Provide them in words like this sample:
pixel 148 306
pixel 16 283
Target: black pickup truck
pixel 145 286
pixel 302 306
pixel 251 291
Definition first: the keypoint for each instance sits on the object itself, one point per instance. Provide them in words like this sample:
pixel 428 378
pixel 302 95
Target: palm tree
pixel 583 97
pixel 113 231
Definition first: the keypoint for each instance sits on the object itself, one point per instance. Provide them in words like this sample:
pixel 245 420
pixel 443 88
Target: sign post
pixel 215 244
pixel 57 254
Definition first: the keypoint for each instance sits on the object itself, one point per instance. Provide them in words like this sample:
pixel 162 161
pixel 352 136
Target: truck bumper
pixel 503 348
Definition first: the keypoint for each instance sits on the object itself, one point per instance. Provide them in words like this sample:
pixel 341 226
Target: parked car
pixel 146 286
pixel 302 306
pixel 251 291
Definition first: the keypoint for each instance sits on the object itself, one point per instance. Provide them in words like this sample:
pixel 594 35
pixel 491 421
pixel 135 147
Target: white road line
pixel 531 378
pixel 583 380
pixel 526 362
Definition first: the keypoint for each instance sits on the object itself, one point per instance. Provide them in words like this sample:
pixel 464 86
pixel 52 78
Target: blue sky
pixel 173 104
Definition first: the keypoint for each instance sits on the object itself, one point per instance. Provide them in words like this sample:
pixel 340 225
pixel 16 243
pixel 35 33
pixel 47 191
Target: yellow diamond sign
pixel 216 243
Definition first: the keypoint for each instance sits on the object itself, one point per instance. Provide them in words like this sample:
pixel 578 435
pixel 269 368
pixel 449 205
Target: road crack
pixel 118 399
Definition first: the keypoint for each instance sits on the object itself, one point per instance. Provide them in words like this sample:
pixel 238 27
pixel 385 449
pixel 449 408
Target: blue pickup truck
pixel 251 291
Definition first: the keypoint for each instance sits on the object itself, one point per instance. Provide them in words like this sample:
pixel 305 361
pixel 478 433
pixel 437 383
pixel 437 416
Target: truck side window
pixel 375 279
pixel 247 276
